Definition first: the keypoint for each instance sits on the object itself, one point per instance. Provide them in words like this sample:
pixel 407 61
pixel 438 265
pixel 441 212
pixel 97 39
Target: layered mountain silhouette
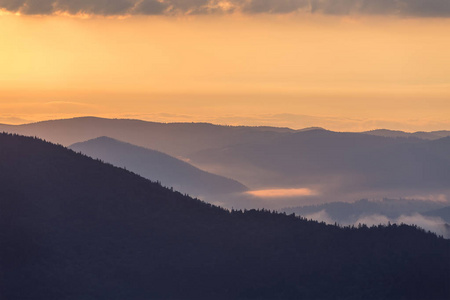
pixel 176 139
pixel 337 166
pixel 157 166
pixel 433 135
pixel 351 161
pixel 72 227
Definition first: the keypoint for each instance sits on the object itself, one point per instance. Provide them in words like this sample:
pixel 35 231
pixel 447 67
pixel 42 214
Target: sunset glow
pixel 280 193
pixel 224 149
pixel 353 72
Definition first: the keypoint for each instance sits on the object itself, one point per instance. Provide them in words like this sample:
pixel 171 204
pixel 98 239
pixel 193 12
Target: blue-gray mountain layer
pixel 157 166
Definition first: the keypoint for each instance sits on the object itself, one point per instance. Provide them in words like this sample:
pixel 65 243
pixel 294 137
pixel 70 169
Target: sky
pixel 347 65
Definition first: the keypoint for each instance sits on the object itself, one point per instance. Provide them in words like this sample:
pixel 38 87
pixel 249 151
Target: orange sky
pixel 340 72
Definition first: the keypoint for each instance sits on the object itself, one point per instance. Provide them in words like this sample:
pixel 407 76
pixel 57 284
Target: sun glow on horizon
pixel 224 69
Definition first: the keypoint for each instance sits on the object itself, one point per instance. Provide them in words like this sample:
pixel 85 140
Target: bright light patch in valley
pixel 279 193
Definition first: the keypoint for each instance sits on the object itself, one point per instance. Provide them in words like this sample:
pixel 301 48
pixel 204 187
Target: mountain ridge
pixel 151 134
pixel 158 166
pixel 431 135
pixel 77 228
pixel 312 156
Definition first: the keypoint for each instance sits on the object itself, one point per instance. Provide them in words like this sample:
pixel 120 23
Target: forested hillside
pixel 75 228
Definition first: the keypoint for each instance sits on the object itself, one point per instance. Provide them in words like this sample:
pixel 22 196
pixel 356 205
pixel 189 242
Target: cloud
pixel 415 8
pixel 12 5
pixel 273 6
pixel 97 7
pixel 427 8
pixel 151 7
pixel 433 224
pixel 431 197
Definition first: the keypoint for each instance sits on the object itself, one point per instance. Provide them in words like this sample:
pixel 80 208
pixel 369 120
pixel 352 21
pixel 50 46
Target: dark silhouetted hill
pixel 157 166
pixel 75 228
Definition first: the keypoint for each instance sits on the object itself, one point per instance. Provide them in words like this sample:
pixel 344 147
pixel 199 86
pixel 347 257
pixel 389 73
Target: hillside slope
pixel 75 228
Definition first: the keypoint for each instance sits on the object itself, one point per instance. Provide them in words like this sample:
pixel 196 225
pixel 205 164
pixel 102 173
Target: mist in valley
pixel 293 171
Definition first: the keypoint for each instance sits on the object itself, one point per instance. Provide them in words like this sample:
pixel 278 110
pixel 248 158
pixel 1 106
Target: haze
pixel 351 72
pixel 224 149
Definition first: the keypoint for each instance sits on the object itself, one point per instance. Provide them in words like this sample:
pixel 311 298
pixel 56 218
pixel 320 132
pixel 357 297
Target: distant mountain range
pixel 72 227
pixel 337 166
pixel 341 161
pixel 157 166
pixel 433 135
pixel 176 139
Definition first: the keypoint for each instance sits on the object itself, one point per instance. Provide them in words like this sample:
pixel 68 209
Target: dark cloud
pixel 414 8
pixel 151 7
pixel 346 7
pixel 426 8
pixel 12 5
pixel 96 7
pixel 277 7
pixel 38 7
pixel 379 7
pixel 419 8
pixel 187 6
